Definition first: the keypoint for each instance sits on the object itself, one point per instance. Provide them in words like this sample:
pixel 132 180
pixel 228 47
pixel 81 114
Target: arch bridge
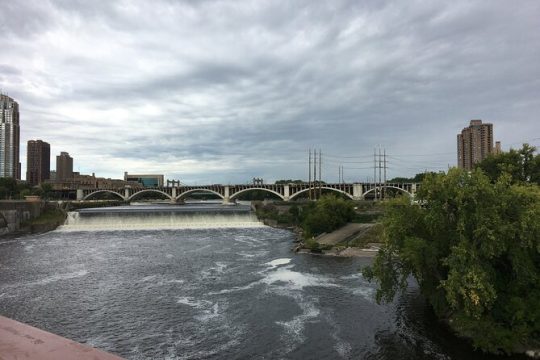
pixel 229 193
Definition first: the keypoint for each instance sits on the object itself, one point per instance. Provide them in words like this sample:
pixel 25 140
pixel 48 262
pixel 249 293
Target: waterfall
pixel 160 217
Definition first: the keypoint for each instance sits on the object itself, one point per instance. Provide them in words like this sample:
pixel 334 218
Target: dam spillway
pixel 152 217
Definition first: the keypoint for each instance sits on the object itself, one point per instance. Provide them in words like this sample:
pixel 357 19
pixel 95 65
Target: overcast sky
pixel 224 91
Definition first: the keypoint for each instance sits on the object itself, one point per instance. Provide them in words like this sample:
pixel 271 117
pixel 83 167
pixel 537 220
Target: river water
pixel 232 288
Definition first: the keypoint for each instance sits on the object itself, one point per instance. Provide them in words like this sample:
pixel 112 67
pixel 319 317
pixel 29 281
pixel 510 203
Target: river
pixel 131 282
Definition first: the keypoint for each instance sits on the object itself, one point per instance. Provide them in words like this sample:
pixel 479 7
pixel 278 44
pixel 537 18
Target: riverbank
pixel 19 218
pixel 359 235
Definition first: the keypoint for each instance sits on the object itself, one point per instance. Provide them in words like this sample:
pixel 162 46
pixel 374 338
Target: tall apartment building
pixel 38 165
pixel 64 167
pixel 9 138
pixel 474 144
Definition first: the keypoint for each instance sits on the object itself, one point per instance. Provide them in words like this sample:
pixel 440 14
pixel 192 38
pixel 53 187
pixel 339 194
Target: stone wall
pixel 13 213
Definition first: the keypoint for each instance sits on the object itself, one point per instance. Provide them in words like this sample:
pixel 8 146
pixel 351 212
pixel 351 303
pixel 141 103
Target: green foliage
pixel 315 247
pixel 289 181
pixel 366 217
pixel 474 248
pixel 49 216
pixel 522 165
pixel 11 189
pixel 418 178
pixel 327 214
pixel 373 235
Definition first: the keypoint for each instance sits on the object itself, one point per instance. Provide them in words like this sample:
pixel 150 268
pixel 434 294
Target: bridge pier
pixel 173 196
pixel 126 194
pixel 80 194
pixel 358 193
pixel 226 195
pixel 286 192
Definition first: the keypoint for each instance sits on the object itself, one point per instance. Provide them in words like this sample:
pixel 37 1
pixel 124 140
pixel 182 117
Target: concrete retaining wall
pixel 14 213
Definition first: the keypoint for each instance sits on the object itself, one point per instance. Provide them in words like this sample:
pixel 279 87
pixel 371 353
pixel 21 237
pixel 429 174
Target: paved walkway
pixel 20 341
pixel 347 232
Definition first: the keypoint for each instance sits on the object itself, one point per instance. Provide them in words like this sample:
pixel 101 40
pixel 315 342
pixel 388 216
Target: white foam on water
pixel 343 348
pixel 175 281
pixel 199 249
pixel 148 278
pixel 352 276
pixel 246 255
pixel 209 314
pixel 169 256
pixel 244 241
pixel 8 242
pixel 277 262
pixel 294 329
pixel 236 288
pixel 295 280
pixel 199 304
pixel 58 277
pixel 365 292
pixel 218 269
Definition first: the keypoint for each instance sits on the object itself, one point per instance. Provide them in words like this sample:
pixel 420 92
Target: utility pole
pixel 309 175
pixel 320 173
pixel 380 168
pixel 384 168
pixel 375 171
pixel 315 173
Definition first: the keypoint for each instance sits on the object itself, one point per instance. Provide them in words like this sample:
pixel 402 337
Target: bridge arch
pixel 388 187
pixel 134 195
pixel 236 194
pixel 324 187
pixel 185 193
pixel 87 197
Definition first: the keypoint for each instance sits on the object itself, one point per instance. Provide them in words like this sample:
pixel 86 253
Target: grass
pixel 372 235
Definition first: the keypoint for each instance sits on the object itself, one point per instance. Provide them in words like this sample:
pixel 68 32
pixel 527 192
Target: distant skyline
pixel 224 91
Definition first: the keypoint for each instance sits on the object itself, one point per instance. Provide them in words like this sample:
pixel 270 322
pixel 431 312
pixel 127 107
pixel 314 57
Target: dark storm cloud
pixel 221 91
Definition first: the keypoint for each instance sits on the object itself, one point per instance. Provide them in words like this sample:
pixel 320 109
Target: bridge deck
pixel 21 341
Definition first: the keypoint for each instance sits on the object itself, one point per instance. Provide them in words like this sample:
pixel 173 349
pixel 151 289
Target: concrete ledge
pixel 21 341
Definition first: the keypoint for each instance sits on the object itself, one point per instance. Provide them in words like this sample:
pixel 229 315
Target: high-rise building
pixel 9 138
pixel 38 166
pixel 64 167
pixel 474 144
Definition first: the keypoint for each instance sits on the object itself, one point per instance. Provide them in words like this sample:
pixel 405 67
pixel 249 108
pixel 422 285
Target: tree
pixel 289 181
pixel 46 189
pixel 474 249
pixel 522 165
pixel 327 214
pixel 418 178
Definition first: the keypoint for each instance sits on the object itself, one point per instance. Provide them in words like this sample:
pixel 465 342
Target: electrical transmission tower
pixel 379 168
pixel 315 187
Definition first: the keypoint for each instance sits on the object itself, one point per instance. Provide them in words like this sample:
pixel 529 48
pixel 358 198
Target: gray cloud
pixel 220 91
